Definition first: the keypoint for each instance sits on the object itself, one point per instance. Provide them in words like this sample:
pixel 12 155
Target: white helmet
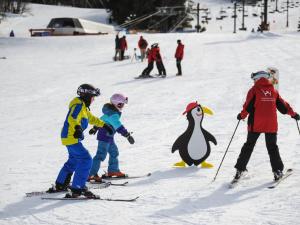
pixel 273 71
pixel 260 74
pixel 118 100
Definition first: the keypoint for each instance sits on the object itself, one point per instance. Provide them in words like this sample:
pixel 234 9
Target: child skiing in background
pixel 151 59
pixel 79 161
pixel 159 63
pixel 111 115
pixel 262 103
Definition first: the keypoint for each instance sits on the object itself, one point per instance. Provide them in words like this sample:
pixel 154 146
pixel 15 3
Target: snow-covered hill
pixel 41 75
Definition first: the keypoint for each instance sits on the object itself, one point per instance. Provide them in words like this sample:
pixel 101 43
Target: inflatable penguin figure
pixel 193 144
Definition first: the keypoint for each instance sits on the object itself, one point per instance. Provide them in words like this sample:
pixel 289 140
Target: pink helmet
pixel 118 100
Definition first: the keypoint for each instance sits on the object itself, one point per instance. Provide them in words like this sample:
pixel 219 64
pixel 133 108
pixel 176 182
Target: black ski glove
pixel 296 117
pixel 108 128
pixel 129 138
pixel 78 132
pixel 94 130
pixel 239 117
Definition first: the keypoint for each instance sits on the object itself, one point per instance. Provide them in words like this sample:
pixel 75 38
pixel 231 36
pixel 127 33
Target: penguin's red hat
pixel 190 107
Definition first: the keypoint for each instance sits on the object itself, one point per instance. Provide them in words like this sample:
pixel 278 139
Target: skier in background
pixel 261 104
pixel 11 34
pixel 79 161
pixel 151 58
pixel 117 48
pixel 179 56
pixel 106 144
pixel 142 46
pixel 159 63
pixel 123 46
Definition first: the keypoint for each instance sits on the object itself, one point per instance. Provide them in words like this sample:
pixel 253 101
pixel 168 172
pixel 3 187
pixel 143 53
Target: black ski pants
pixel 148 69
pixel 178 64
pixel 122 54
pixel 161 68
pixel 247 149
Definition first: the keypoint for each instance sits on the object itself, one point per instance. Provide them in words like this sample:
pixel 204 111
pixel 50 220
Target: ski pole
pixel 226 150
pixel 298 126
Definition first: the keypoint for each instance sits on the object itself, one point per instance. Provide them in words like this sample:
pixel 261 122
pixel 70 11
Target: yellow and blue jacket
pixel 78 114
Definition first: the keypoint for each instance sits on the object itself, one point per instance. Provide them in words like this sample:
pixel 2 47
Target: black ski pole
pixel 298 126
pixel 226 150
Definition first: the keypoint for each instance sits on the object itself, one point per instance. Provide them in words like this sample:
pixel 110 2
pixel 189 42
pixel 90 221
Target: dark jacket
pixel 117 42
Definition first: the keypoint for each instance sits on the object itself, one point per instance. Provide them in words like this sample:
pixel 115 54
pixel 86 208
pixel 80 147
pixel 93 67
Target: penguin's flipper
pixel 209 137
pixel 180 164
pixel 177 144
pixel 206 165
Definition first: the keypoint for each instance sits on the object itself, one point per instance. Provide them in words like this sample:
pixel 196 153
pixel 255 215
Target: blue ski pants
pixel 80 162
pixel 104 148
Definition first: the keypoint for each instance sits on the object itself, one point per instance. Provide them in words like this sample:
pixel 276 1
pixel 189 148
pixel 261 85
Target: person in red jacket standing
pixel 179 56
pixel 142 46
pixel 123 46
pixel 261 106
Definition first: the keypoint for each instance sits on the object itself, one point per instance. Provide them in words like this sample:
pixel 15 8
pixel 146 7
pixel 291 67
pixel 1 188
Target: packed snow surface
pixel 40 76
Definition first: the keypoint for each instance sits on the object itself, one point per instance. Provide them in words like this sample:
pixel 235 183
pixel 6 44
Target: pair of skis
pixel 95 198
pixel 150 76
pixel 93 185
pixel 288 173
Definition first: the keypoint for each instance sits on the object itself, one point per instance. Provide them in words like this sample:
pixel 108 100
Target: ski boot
pixel 115 174
pixel 58 188
pixel 76 193
pixel 95 179
pixel 239 174
pixel 277 175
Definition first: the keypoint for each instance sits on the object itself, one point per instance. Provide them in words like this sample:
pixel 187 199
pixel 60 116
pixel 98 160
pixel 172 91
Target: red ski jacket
pixel 123 44
pixel 179 51
pixel 261 104
pixel 142 43
pixel 152 55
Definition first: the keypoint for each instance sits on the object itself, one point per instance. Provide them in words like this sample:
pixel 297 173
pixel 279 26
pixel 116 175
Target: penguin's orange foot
pixel 180 164
pixel 206 165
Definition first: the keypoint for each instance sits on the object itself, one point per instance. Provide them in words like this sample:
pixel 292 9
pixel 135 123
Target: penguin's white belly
pixel 197 146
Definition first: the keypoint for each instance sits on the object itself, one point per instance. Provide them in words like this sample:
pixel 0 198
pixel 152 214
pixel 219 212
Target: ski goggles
pixel 93 92
pixel 260 74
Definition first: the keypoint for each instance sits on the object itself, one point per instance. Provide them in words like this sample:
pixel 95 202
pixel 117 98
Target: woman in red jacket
pixel 261 106
pixel 179 56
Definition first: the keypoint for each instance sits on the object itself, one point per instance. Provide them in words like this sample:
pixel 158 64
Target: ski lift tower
pixel 264 23
pixel 170 11
pixel 197 12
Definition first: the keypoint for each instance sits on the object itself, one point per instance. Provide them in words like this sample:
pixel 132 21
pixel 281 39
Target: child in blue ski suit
pixel 106 144
pixel 79 161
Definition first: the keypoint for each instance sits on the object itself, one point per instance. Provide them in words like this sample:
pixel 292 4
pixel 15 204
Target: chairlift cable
pixel 180 22
pixel 138 20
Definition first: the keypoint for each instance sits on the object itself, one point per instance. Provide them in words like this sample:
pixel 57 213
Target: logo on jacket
pixel 267 93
